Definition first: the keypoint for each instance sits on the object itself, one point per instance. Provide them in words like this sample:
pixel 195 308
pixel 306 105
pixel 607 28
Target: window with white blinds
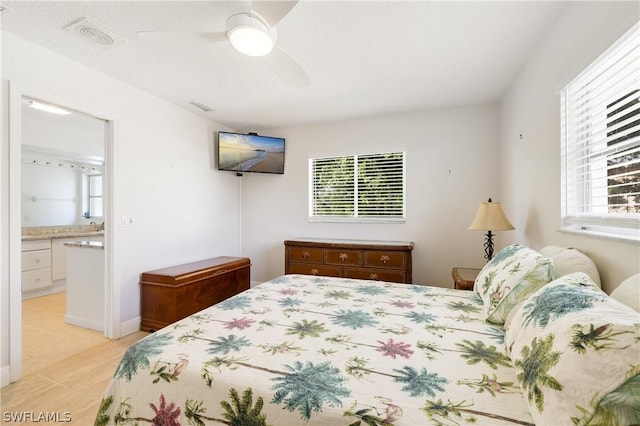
pixel 601 143
pixel 357 188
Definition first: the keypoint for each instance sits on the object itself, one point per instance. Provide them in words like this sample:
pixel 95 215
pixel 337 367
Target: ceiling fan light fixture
pixel 248 35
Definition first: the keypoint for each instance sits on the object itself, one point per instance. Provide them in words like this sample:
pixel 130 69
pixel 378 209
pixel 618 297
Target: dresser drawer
pixel 36 259
pixel 396 276
pixel 305 254
pixel 369 260
pixel 312 269
pixel 36 279
pixel 342 257
pixel 385 259
pixel 36 245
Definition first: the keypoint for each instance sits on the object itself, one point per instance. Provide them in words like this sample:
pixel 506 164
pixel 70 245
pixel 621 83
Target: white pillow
pixel 628 292
pixel 570 260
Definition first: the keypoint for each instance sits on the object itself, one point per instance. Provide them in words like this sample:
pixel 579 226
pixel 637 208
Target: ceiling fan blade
pixel 181 36
pixel 287 68
pixel 272 11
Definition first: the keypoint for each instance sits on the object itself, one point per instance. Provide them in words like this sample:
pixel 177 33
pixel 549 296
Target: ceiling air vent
pixel 199 105
pixel 92 32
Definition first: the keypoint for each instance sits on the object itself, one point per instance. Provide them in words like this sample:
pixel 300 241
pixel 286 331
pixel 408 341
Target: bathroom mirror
pixel 62 165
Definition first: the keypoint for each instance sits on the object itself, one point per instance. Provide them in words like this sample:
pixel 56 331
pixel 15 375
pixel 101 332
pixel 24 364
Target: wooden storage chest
pixel 170 294
pixel 369 260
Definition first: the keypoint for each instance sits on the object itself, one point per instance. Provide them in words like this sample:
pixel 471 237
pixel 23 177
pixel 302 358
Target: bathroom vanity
pixel 44 256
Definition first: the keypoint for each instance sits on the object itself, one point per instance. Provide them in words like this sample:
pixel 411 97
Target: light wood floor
pixel 65 368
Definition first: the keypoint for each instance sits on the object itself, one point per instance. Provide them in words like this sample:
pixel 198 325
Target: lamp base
pixel 488 246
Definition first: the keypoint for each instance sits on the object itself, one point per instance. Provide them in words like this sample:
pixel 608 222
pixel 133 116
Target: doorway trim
pixel 15 241
pixel 112 289
pixel 112 311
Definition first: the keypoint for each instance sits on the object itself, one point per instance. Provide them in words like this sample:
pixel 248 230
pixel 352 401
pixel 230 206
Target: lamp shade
pixel 490 217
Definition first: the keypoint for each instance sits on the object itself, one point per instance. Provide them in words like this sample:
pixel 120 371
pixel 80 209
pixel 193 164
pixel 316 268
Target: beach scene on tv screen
pixel 250 153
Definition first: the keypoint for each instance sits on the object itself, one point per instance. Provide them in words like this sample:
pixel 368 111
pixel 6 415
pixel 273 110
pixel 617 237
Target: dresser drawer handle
pixel 374 276
pixel 343 257
pixel 314 271
pixel 306 254
pixel 384 258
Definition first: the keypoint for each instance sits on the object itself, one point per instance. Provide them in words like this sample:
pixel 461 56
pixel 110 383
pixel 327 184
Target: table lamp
pixel 490 217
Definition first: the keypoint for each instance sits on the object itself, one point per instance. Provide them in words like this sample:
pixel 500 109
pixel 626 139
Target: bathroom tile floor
pixel 65 368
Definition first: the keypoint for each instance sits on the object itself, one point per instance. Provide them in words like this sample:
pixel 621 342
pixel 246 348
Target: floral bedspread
pixel 304 350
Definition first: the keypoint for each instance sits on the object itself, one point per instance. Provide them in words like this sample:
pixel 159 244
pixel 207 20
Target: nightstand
pixel 463 278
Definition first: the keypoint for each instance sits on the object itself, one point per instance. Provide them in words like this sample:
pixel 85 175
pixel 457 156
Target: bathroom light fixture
pixel 490 217
pixel 249 35
pixel 48 108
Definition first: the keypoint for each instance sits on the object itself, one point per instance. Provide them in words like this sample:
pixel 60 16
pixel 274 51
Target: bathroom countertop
pixel 62 235
pixel 86 244
pixel 54 232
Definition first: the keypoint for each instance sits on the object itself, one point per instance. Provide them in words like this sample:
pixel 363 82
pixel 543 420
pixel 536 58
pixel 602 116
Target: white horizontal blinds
pixel 381 185
pixel 623 160
pixel 332 186
pixel 358 186
pixel 601 134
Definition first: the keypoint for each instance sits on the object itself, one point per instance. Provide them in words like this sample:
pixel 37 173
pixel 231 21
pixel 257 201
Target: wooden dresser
pixel 170 294
pixel 361 259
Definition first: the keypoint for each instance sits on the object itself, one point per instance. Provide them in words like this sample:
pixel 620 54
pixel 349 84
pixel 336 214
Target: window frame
pixel 356 217
pixel 89 195
pixel 581 170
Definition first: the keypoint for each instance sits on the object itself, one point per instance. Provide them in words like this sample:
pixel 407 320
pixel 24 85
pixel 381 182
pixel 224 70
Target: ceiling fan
pixel 252 33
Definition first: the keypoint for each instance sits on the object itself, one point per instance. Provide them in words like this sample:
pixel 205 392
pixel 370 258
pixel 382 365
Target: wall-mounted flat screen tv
pixel 250 153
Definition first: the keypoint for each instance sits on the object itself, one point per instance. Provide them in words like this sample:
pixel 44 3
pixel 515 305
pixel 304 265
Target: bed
pixel 307 350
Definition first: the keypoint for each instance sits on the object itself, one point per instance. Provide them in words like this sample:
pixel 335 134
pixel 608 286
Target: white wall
pixel 50 195
pixel 530 168
pixel 451 167
pixel 165 177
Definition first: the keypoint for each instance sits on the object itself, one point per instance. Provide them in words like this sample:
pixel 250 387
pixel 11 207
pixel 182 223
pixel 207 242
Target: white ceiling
pixel 364 58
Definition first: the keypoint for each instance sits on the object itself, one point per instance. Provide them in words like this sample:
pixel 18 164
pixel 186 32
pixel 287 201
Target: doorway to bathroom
pixel 62 187
pixel 58 156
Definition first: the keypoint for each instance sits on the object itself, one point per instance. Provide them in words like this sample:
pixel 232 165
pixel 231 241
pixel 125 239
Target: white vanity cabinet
pixel 36 265
pixel 44 256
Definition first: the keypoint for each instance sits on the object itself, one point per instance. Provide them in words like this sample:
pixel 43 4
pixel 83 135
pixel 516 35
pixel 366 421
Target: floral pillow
pixel 510 277
pixel 576 352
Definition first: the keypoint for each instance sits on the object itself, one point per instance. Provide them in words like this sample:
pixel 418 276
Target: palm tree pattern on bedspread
pixel 304 350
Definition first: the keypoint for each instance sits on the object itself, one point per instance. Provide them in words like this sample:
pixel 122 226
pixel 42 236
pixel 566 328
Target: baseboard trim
pixel 46 292
pixel 83 322
pixel 130 327
pixel 5 376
